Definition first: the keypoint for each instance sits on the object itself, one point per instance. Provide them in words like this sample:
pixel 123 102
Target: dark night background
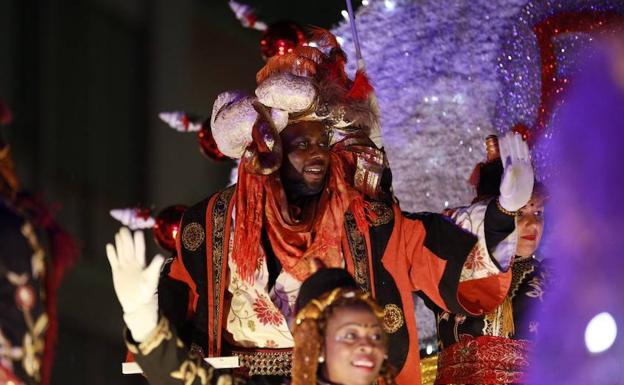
pixel 85 80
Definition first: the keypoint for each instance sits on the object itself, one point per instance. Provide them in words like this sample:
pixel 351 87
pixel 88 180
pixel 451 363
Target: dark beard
pixel 299 192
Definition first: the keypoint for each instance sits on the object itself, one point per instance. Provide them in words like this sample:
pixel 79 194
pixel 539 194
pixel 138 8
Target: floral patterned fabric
pixel 479 264
pixel 23 321
pixel 258 318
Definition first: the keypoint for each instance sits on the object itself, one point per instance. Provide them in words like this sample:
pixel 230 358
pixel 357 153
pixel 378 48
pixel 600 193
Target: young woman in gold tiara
pixel 338 331
pixel 339 334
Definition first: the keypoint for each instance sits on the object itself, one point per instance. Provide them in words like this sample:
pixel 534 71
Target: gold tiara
pixel 315 308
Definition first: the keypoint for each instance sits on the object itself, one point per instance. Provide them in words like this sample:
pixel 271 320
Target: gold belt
pixel 265 362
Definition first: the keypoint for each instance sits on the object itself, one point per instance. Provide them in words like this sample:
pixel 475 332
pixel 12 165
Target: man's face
pixel 306 157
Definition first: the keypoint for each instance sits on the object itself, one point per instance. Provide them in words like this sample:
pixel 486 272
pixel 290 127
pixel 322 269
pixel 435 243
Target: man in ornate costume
pixel 313 183
pixel 493 348
pixel 27 282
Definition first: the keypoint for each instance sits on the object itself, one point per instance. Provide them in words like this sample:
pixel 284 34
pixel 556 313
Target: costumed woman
pixel 338 330
pixel 494 348
pixel 314 183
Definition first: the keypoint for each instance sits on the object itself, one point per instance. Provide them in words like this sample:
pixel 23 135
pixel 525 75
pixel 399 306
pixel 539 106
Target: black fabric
pixel 173 298
pixel 451 243
pixel 267 380
pixel 490 175
pixel 195 263
pixel 386 292
pixel 274 266
pixel 527 284
pixel 497 226
pixel 168 363
pixel 16 258
pixel 527 299
pixel 321 282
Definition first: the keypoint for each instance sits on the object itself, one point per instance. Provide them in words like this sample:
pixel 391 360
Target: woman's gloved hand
pixel 517 182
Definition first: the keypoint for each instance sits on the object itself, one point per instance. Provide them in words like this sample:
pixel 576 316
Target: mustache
pixel 301 189
pixel 317 162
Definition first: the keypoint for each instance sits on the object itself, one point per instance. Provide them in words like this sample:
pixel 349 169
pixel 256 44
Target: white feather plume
pixel 132 218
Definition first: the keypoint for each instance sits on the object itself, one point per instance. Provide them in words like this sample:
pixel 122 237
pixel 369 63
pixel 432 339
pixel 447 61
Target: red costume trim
pixel 480 296
pixel 483 360
pixel 211 316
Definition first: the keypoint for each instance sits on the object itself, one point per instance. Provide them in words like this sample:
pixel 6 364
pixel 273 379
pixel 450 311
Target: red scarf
pixel 261 200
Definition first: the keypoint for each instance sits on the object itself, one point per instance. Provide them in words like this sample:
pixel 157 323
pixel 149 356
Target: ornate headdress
pixel 309 83
pixel 309 330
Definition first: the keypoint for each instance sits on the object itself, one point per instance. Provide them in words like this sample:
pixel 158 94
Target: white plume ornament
pixel 180 121
pixel 134 218
pixel 246 15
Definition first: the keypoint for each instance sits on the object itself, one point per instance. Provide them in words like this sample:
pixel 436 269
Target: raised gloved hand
pixel 135 284
pixel 517 182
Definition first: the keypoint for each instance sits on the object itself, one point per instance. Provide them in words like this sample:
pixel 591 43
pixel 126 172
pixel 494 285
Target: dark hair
pixel 323 281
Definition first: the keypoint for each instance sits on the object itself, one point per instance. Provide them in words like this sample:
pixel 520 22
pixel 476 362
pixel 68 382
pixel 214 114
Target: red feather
pixel 361 87
pixel 312 53
pixel 323 38
pixel 291 62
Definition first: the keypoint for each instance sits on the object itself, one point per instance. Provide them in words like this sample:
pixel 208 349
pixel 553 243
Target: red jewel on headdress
pixel 25 297
pixel 281 38
pixel 167 226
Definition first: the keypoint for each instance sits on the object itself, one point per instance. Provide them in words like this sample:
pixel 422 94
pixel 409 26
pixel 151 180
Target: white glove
pixel 135 285
pixel 517 182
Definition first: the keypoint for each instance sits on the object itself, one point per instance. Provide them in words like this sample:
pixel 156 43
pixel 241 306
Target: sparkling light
pixel 345 14
pixel 600 333
pixel 389 4
pixel 365 2
pixel 429 349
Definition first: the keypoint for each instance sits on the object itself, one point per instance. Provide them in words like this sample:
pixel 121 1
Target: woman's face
pixel 530 225
pixel 355 347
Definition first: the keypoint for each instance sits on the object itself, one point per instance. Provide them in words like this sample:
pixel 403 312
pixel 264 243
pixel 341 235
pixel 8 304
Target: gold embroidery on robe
pixel 160 334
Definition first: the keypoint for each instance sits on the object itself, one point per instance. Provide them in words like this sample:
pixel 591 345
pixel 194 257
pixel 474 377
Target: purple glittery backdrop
pixel 449 73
